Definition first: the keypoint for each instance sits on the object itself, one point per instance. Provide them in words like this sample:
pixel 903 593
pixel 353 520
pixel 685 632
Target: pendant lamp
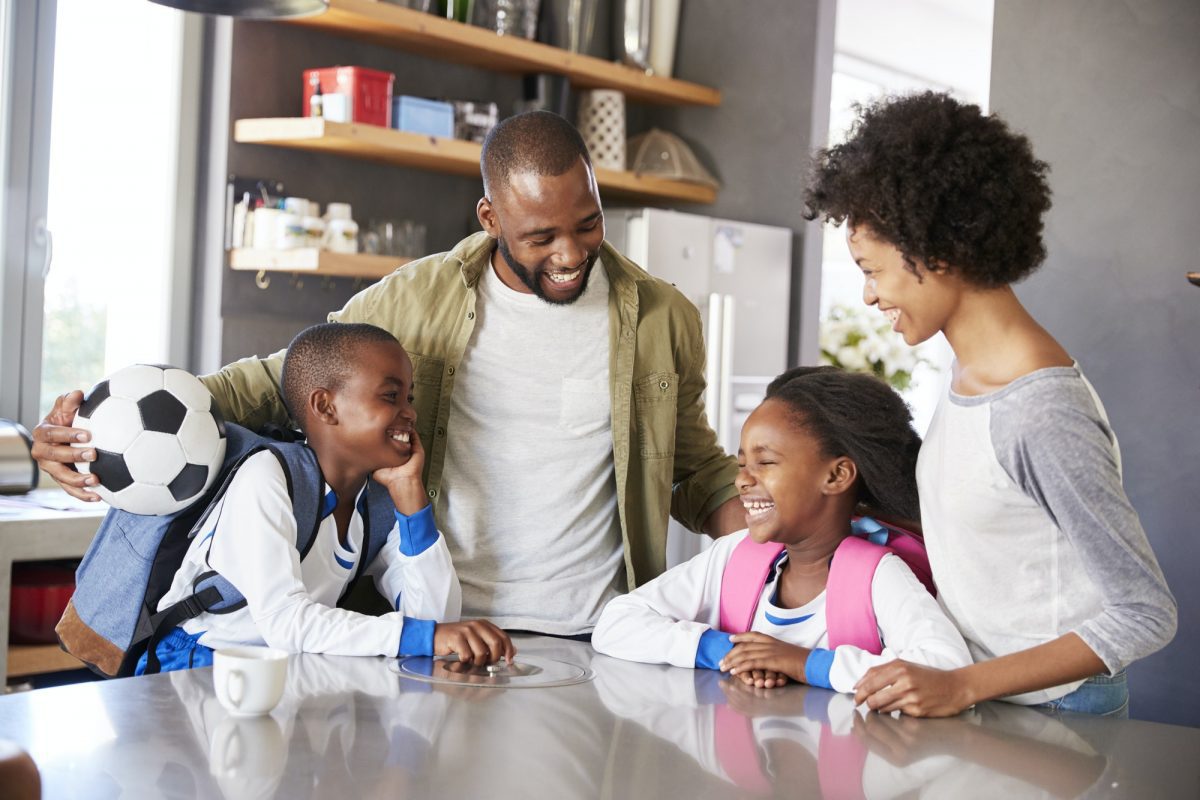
pixel 250 9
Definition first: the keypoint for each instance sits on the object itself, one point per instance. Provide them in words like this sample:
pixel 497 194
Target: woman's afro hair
pixel 945 184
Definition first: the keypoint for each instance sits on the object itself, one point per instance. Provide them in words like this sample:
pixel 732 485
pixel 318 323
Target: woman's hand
pixel 914 690
pixel 773 661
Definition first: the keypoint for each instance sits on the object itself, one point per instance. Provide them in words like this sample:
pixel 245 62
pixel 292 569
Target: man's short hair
pixel 540 142
pixel 322 357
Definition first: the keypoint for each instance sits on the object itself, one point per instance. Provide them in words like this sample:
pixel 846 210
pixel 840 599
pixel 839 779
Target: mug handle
pixel 238 680
pixel 233 751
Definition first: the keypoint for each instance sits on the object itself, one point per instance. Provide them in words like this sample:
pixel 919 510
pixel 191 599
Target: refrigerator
pixel 738 274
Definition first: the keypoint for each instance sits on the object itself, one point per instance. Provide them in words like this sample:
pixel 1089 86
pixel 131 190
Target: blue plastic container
pixel 418 115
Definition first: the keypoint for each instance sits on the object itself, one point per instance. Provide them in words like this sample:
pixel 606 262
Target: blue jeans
pixel 1102 695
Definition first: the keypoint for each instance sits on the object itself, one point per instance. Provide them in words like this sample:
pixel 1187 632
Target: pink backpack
pixel 849 611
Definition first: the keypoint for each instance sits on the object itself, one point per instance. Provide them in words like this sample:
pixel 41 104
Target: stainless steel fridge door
pixel 753 264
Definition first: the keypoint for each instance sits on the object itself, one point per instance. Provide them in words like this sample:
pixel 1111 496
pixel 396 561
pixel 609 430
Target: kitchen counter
pixel 353 727
pixel 60 527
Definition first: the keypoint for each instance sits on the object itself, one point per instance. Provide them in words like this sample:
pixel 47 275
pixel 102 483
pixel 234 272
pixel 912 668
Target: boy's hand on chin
pixel 404 482
pixel 765 660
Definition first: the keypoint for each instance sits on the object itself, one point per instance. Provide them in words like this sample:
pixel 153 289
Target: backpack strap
pixel 742 582
pixel 213 593
pixel 849 610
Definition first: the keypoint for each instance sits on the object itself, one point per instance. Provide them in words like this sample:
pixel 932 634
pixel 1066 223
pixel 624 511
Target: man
pixel 561 405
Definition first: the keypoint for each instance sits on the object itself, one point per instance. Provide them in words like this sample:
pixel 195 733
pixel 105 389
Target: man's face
pixel 548 230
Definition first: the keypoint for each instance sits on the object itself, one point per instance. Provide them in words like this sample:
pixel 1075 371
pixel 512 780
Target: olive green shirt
pixel 665 455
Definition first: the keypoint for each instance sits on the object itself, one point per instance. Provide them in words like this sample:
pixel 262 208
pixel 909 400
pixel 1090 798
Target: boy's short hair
pixel 942 182
pixel 322 357
pixel 540 142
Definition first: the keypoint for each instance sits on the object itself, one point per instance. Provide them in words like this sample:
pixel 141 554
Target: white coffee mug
pixel 249 680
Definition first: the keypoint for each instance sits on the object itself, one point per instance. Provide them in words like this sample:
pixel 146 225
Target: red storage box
pixel 369 90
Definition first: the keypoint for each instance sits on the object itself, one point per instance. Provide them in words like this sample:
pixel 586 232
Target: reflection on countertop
pixel 352 727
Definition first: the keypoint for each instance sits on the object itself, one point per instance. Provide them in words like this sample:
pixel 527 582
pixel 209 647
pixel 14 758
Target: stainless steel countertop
pixel 351 727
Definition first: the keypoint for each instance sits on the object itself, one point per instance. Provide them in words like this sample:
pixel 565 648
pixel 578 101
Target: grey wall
pixel 1109 92
pixel 763 56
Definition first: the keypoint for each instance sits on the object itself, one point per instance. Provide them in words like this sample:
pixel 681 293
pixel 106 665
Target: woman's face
pixel 919 304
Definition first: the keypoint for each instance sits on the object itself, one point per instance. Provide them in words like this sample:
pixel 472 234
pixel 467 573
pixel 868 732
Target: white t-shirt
pixel 662 622
pixel 250 539
pixel 529 495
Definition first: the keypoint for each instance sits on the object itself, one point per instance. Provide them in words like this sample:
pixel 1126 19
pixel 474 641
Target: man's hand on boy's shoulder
pixel 404 482
pixel 476 641
pixel 52 448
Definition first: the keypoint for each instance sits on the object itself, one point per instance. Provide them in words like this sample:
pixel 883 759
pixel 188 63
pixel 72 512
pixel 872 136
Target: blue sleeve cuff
pixel 418 532
pixel 416 639
pixel 816 669
pixel 714 645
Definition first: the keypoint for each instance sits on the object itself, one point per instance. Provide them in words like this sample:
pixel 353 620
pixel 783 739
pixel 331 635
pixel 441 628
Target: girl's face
pixel 917 305
pixel 785 482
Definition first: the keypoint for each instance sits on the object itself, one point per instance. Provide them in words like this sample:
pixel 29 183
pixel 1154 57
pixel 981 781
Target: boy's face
pixel 374 407
pixel 918 306
pixel 783 478
pixel 549 229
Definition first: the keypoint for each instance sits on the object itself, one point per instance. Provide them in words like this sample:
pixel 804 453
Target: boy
pixel 348 387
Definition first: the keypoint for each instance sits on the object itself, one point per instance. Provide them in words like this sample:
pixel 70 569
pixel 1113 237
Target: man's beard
pixel 532 277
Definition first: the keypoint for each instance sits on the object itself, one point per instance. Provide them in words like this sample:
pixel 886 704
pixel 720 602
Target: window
pixel 92 247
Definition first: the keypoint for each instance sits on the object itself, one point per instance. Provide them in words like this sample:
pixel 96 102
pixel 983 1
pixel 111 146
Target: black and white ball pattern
pixel 159 441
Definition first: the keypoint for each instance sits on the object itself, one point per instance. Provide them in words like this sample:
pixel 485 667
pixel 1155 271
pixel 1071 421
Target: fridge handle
pixel 725 409
pixel 712 367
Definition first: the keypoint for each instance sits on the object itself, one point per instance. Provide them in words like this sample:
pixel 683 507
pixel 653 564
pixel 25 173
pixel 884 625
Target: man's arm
pixel 729 517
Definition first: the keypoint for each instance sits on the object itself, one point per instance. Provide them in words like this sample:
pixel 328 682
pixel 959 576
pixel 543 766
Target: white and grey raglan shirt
pixel 250 539
pixel 1029 532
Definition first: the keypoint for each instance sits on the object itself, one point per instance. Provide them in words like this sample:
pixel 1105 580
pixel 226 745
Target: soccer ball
pixel 159 441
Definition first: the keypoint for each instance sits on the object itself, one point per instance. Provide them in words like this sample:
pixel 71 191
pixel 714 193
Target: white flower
pixel 852 358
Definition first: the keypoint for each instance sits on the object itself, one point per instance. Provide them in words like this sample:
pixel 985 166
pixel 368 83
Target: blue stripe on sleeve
pixel 816 669
pixel 418 532
pixel 416 639
pixel 714 645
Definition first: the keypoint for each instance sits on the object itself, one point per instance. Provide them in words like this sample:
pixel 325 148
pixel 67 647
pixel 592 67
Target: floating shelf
pixel 316 262
pixel 35 659
pixel 436 37
pixel 454 156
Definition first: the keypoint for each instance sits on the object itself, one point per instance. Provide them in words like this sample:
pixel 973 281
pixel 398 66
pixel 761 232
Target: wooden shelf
pixel 433 36
pixel 454 156
pixel 316 262
pixel 35 659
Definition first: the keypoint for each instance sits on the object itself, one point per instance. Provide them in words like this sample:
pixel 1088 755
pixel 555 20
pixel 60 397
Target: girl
pixel 1038 556
pixel 823 442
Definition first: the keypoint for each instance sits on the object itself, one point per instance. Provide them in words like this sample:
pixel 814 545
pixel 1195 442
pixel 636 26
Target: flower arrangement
pixel 855 339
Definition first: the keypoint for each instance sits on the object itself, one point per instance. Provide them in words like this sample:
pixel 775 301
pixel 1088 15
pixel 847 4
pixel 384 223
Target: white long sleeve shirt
pixel 250 539
pixel 664 621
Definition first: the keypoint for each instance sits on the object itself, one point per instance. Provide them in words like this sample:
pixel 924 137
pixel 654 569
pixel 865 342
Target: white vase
pixel 664 29
pixel 602 125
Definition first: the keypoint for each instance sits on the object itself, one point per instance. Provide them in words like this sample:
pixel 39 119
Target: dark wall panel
pixel 1110 95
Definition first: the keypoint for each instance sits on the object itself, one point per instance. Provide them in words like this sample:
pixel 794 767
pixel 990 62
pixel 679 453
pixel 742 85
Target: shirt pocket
pixel 427 391
pixel 656 400
pixel 585 407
